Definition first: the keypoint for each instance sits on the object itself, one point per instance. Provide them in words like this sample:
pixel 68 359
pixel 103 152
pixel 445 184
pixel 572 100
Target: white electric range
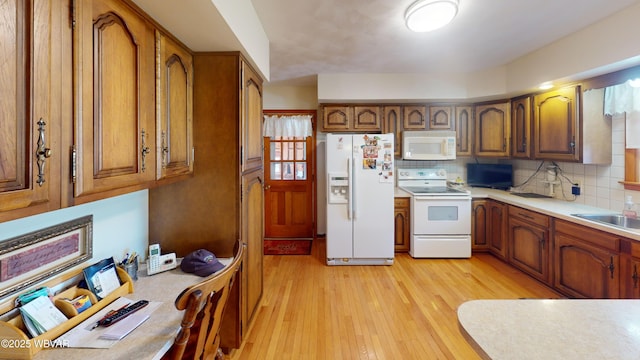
pixel 440 215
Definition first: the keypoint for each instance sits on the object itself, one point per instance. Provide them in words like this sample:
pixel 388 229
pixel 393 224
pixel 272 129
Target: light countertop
pixel 564 329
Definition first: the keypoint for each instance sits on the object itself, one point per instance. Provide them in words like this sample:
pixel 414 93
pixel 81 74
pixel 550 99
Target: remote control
pixel 123 313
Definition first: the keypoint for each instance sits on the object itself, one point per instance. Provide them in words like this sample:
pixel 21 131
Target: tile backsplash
pixel 599 184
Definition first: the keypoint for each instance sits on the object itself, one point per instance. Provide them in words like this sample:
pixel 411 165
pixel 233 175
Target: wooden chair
pixel 204 304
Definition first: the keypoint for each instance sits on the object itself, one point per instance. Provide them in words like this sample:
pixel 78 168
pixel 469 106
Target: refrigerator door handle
pixel 349 192
pixel 352 176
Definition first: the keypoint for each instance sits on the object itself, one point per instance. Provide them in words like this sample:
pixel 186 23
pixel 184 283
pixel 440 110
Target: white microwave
pixel 429 145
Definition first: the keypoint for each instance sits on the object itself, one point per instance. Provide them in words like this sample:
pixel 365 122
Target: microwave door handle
pixel 444 147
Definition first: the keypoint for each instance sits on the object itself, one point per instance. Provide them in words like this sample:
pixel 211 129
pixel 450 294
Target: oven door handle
pixel 441 197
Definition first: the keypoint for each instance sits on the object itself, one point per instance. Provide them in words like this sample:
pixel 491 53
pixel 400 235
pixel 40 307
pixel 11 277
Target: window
pixel 287 156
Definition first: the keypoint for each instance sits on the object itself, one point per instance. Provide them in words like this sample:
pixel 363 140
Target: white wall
pixel 290 97
pixel 119 224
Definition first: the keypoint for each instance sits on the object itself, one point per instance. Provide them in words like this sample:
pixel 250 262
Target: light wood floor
pixel 404 311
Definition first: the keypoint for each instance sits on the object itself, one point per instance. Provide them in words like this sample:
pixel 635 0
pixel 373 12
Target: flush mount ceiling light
pixel 428 15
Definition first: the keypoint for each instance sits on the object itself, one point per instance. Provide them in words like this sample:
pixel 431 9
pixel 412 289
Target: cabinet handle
pixel 635 276
pixel 145 149
pixel 611 267
pixel 165 150
pixel 42 153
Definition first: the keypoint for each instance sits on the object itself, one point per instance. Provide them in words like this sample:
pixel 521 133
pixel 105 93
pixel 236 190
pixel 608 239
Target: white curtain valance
pixel 293 125
pixel 622 98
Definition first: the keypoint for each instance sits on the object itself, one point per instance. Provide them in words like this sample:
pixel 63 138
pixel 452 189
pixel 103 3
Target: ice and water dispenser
pixel 338 188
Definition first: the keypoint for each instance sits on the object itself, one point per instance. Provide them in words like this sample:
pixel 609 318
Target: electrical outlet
pixel 575 189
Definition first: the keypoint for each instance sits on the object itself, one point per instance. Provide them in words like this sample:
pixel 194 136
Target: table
pixel 552 329
pixel 151 339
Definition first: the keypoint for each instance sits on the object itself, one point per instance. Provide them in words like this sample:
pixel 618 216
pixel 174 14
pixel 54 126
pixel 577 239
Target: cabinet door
pixel 583 270
pixel 464 130
pixel 336 118
pixel 251 118
pixel 414 117
pixel 497 228
pixel 175 108
pixel 630 277
pixel 402 224
pixel 521 128
pixel 529 248
pixel 479 225
pixel 391 124
pixel 114 61
pixel 492 130
pixel 29 124
pixel 367 118
pixel 252 231
pixel 556 125
pixel 441 118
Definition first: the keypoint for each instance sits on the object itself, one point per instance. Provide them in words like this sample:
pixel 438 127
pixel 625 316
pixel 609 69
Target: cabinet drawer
pixel 593 236
pixel 530 216
pixel 402 202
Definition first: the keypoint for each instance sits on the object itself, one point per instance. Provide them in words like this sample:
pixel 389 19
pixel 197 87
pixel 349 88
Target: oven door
pixel 441 215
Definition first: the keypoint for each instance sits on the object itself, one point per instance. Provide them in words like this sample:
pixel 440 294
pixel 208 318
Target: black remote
pixel 123 313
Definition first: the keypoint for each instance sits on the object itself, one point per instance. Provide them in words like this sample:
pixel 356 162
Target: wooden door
pixel 29 123
pixel 441 118
pixel 336 118
pixel 492 130
pixel 289 184
pixel 414 117
pixel 251 118
pixel 464 130
pixel 585 271
pixel 114 62
pixel 175 108
pixel 252 231
pixel 556 125
pixel 497 228
pixel 402 222
pixel 529 248
pixel 521 128
pixel 367 118
pixel 479 228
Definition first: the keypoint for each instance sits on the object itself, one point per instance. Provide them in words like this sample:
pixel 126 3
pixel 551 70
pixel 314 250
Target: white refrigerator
pixel 360 191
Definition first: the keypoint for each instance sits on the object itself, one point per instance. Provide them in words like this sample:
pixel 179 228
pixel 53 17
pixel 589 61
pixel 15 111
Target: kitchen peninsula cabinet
pixel 464 130
pixel 402 222
pixel 521 128
pixel 223 201
pixel 493 130
pixel 556 124
pixel 114 70
pixel 174 124
pixel 529 242
pixel 586 262
pixel 630 269
pixel 32 107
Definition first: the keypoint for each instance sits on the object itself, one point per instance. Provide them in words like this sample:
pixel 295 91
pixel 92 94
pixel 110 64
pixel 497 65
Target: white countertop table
pixel 531 329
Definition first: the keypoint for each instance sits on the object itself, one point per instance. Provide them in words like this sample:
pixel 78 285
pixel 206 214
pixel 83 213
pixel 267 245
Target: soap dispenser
pixel 629 208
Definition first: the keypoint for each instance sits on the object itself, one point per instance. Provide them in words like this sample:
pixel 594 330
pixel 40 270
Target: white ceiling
pixel 310 37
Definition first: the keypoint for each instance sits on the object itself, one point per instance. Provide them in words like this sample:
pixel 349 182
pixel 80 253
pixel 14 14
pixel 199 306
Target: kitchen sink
pixel 612 219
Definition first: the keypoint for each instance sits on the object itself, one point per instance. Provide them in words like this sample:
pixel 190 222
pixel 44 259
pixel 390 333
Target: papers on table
pixel 102 277
pixel 40 315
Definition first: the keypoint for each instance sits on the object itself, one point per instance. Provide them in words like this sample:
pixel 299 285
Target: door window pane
pixel 274 151
pixel 276 173
pixel 301 171
pixel 287 171
pixel 301 151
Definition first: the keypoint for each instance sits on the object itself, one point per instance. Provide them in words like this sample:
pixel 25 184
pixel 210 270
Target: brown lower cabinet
pixel 529 242
pixel 497 213
pixel 402 223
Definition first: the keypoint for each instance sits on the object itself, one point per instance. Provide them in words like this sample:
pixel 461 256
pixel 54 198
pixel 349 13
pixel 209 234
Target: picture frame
pixel 28 259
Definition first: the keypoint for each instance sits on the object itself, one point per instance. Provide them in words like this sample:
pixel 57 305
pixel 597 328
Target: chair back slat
pixel 204 305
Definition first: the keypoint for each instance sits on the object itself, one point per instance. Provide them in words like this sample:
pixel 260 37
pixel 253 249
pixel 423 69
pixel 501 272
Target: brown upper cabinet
pixel 174 115
pixel 391 124
pixel 114 67
pixel 351 118
pixel 251 118
pixel 492 130
pixel 414 117
pixel 31 108
pixel 464 130
pixel 441 118
pixel 555 125
pixel 521 128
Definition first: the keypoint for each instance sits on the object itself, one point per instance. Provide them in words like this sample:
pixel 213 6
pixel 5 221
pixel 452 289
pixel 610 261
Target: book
pixel 102 277
pixel 41 315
